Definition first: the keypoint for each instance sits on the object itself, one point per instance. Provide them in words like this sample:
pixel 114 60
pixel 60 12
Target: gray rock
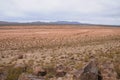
pixel 89 72
pixel 3 74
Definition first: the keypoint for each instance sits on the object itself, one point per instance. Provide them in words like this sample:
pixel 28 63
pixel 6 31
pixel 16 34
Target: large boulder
pixel 89 72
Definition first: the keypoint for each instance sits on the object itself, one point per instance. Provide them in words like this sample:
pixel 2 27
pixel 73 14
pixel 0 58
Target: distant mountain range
pixel 5 23
pixel 37 23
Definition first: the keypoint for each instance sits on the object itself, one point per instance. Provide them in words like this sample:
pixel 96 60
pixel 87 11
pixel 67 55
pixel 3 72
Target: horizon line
pixel 56 21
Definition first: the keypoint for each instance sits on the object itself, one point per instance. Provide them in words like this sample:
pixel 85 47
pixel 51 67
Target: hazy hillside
pixel 37 23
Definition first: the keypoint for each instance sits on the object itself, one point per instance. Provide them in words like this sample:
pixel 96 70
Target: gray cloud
pixel 89 11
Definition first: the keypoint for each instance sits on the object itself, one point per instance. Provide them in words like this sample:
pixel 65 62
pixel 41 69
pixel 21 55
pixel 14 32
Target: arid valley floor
pixel 28 49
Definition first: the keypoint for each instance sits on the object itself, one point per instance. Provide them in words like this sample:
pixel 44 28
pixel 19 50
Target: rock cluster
pixel 88 72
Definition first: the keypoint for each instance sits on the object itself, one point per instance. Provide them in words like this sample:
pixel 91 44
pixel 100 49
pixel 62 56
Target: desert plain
pixel 49 46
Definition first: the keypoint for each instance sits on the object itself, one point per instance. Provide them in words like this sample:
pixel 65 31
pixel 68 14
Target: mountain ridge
pixel 6 23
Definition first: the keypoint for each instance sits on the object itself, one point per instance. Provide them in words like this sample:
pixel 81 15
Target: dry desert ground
pixel 50 46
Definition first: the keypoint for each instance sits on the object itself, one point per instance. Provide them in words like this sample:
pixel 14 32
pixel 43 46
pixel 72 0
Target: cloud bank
pixel 86 11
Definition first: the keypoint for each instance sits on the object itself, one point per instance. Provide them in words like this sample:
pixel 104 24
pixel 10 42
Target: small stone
pixel 38 71
pixel 20 56
pixel 60 71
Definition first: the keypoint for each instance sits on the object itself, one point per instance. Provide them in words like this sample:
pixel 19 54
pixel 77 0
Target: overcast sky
pixel 85 11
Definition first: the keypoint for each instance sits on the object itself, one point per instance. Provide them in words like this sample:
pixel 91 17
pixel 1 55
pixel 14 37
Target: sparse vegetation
pixel 68 45
pixel 13 73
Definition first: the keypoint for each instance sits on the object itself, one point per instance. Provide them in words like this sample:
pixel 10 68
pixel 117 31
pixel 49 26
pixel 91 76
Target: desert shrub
pixel 50 70
pixel 29 70
pixel 78 65
pixel 30 62
pixel 13 73
pixel 117 64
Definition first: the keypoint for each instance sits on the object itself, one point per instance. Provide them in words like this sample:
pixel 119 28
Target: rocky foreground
pixel 89 72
